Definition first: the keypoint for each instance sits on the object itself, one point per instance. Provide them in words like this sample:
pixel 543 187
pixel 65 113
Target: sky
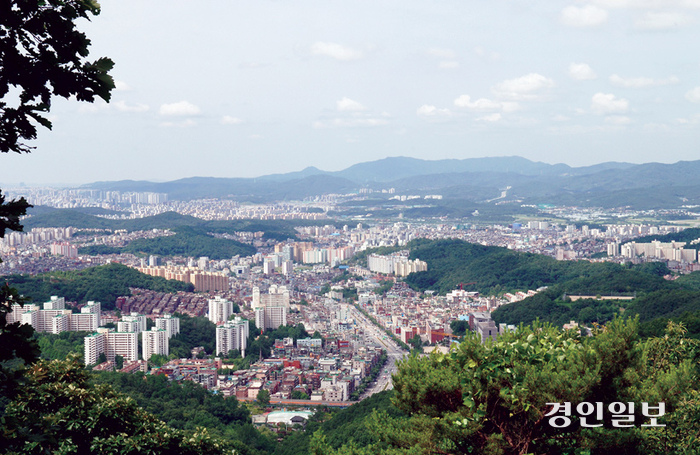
pixel 230 88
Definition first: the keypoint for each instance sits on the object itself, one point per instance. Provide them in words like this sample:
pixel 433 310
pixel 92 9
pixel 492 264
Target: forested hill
pixel 686 235
pixel 102 284
pixel 272 229
pixel 494 270
pixel 187 241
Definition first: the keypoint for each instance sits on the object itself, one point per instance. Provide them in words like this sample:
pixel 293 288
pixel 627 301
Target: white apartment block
pixel 232 335
pixel 170 324
pixel 54 318
pixel 276 296
pixel 94 345
pixel 270 317
pixel 155 341
pixel 55 303
pixel 395 264
pixel 673 251
pixel 111 344
pixel 133 323
pixel 219 310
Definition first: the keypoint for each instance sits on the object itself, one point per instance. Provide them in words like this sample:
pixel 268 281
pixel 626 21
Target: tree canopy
pixel 494 398
pixel 43 54
pixel 60 411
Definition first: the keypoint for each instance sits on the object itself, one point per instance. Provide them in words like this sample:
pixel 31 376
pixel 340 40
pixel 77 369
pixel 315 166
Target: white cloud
pixel 98 105
pixel 179 109
pixel 523 88
pixel 336 51
pixel 647 4
pixel 693 95
pixel 183 124
pixel 640 82
pixel 351 123
pixel 490 118
pixel 228 120
pixel 483 53
pixel 485 104
pixel 346 104
pixel 581 72
pixel 618 120
pixel 693 120
pixel 431 111
pixel 656 21
pixel 583 17
pixel 121 106
pixel 605 103
pixel 447 54
pixel 560 118
pixel 252 65
pixel 448 64
pixel 121 86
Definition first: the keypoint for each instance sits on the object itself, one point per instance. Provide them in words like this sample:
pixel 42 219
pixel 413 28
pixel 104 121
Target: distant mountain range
pixel 611 184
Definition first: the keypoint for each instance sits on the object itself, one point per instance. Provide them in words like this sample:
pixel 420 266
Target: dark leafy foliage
pixel 194 332
pixel 60 346
pixel 60 411
pixel 43 54
pixel 348 426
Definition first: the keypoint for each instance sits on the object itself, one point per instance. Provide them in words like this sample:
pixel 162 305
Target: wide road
pixel 394 353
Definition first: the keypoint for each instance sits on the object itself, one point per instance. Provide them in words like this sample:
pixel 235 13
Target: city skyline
pixel 244 90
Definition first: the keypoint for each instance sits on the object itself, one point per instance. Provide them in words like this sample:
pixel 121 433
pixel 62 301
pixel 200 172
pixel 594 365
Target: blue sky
pixel 245 88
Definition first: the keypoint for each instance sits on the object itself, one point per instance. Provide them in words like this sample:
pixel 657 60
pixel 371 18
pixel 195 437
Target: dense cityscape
pixel 349 228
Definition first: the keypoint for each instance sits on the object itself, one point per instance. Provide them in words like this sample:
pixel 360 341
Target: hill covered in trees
pixel 187 241
pixel 272 229
pixel 101 284
pixel 495 270
pixel 497 398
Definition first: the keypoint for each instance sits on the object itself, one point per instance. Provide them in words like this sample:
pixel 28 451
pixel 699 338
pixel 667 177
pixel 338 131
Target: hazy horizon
pixel 28 183
pixel 244 89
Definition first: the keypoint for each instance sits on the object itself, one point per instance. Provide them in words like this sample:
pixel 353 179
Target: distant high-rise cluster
pixel 203 281
pixel 64 249
pixel 396 264
pixel 673 251
pixel 36 235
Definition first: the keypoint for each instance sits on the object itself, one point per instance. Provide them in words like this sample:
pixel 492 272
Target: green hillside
pixel 495 270
pixel 686 235
pixel 102 284
pixel 272 229
pixel 192 243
